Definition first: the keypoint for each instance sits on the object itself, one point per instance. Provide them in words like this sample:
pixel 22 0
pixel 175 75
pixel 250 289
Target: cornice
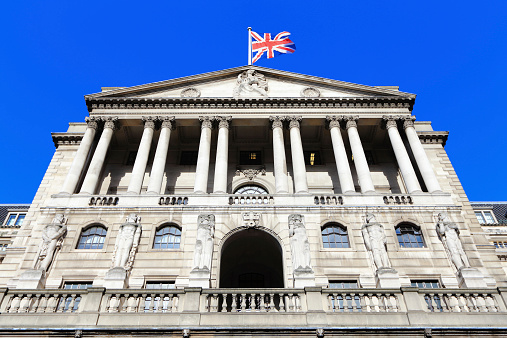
pixel 433 137
pixel 248 103
pixel 66 138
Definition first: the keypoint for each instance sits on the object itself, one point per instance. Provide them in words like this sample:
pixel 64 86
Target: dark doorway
pixel 251 259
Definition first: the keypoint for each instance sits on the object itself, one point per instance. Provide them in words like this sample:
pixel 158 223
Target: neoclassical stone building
pixel 253 202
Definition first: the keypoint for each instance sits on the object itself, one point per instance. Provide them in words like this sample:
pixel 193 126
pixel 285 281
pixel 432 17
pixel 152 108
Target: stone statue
pixel 300 247
pixel 204 242
pixel 375 240
pixel 127 242
pixel 449 234
pixel 52 238
pixel 251 81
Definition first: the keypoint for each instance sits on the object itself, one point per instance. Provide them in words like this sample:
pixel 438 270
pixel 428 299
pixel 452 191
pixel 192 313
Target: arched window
pixel 251 190
pixel 335 236
pixel 167 237
pixel 92 238
pixel 409 236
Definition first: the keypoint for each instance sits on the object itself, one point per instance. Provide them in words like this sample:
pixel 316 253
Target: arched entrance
pixel 251 258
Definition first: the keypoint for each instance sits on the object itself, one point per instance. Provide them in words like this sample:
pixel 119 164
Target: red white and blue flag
pixel 271 47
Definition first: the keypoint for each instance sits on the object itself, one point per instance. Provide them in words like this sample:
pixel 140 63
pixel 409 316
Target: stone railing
pixel 252 300
pixel 360 300
pixel 398 199
pixel 251 199
pixel 42 301
pixel 173 200
pixel 328 200
pixel 146 301
pixel 103 200
pixel 442 300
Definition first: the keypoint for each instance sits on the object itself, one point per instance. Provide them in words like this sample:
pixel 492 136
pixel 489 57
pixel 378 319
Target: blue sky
pixel 451 54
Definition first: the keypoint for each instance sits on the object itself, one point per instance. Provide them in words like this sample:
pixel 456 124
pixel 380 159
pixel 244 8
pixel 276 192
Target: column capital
pixel 92 122
pixel 223 121
pixel 294 121
pixel 149 121
pixel 276 121
pixel 206 122
pixel 408 122
pixel 111 122
pixel 351 121
pixel 333 121
pixel 167 122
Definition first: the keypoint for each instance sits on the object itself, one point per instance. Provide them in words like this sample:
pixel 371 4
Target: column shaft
pixel 406 168
pixel 298 160
pixel 202 169
pixel 220 181
pixel 158 167
pixel 279 159
pixel 362 169
pixel 97 162
pixel 143 152
pixel 76 169
pixel 427 172
pixel 340 155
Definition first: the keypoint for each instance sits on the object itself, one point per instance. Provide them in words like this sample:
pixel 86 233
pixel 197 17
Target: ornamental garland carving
pixel 251 173
pixel 190 92
pixel 251 82
pixel 310 92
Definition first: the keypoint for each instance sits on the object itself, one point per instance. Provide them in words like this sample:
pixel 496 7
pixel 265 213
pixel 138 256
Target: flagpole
pixel 249 46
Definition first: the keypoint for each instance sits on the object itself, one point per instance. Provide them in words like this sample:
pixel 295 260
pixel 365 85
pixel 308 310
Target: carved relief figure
pixel 204 242
pixel 127 242
pixel 300 247
pixel 251 81
pixel 375 240
pixel 449 234
pixel 52 238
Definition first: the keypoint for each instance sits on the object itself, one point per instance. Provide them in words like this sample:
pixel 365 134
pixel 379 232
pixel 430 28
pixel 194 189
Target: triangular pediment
pixel 250 81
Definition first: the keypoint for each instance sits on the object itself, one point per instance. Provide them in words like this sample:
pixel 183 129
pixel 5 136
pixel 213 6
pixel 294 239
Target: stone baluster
pixel 362 169
pixel 202 169
pixel 97 162
pixel 76 169
pixel 298 160
pixel 143 152
pixel 423 163
pixel 279 159
pixel 158 167
pixel 220 181
pixel 340 155
pixel 406 168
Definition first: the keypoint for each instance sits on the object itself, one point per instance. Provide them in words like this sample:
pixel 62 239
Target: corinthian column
pixel 158 167
pixel 280 162
pixel 69 186
pixel 143 152
pixel 340 155
pixel 406 168
pixel 421 158
pixel 362 169
pixel 95 168
pixel 298 160
pixel 220 181
pixel 202 169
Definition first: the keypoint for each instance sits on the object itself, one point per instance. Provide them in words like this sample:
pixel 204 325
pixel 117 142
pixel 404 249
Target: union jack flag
pixel 272 47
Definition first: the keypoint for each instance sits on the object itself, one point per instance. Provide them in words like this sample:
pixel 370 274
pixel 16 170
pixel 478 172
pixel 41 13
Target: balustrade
pixel 362 301
pixel 173 200
pixel 460 301
pixel 103 200
pixel 37 301
pixel 328 200
pixel 398 199
pixel 148 301
pixel 251 199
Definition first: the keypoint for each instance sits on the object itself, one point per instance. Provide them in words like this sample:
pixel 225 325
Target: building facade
pixel 253 202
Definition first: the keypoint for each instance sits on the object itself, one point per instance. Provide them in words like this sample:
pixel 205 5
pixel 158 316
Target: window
pixel 344 301
pixel 425 284
pixel 251 190
pixel 92 238
pixel 335 236
pixel 312 158
pixel 68 300
pixel 131 159
pixel 343 284
pixel 433 301
pixel 498 245
pixel 250 158
pixel 485 217
pixel 188 158
pixel 15 219
pixel 162 304
pixel 3 246
pixel 409 236
pixel 167 237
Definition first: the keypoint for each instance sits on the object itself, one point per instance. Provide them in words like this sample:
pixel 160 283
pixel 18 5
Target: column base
pixel 304 277
pixel 116 278
pixel 31 279
pixel 200 278
pixel 388 278
pixel 471 278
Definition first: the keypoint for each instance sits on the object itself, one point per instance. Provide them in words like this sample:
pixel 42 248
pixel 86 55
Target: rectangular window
pixel 489 217
pixel 68 300
pixel 159 303
pixel 343 284
pixel 3 246
pixel 343 301
pixel 433 302
pixel 312 158
pixel 498 245
pixel 425 284
pixel 485 217
pixel 188 158
pixel 15 219
pixel 250 158
pixel 480 218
